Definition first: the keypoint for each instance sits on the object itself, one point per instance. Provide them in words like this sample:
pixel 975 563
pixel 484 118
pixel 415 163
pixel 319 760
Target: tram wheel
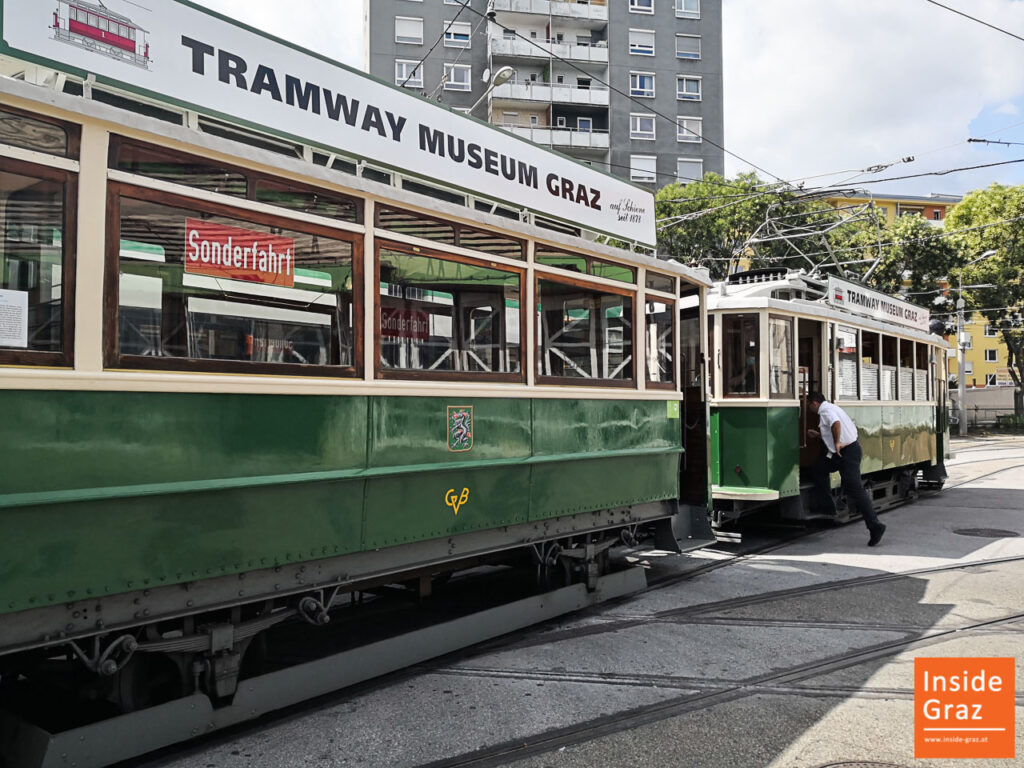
pixel 148 679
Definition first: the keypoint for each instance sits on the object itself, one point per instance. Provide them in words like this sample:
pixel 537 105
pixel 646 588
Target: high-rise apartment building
pixel 630 86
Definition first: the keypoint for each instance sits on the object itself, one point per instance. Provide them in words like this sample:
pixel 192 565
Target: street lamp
pixel 961 340
pixel 502 76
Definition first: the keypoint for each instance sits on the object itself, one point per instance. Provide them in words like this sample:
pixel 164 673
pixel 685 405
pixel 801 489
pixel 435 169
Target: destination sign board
pixel 193 58
pixel 860 300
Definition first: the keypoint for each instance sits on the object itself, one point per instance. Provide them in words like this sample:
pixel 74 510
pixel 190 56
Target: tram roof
pixel 201 142
pixel 759 293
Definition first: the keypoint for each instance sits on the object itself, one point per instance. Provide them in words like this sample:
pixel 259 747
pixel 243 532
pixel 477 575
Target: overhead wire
pixel 976 19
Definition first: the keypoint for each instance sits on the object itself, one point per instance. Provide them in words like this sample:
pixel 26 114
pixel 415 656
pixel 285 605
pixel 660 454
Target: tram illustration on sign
pixel 95 27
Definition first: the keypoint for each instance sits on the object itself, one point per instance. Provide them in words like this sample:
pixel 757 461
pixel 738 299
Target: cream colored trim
pixel 154 381
pixel 531 343
pixel 90 257
pixel 370 291
pixel 40 158
pixel 235 202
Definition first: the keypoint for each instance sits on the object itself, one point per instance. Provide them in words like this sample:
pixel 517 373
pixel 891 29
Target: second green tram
pixel 779 336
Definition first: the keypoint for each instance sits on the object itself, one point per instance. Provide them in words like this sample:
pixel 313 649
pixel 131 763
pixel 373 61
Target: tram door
pixel 694 475
pixel 809 369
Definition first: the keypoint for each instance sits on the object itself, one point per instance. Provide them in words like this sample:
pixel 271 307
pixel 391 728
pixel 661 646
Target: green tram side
pixel 778 337
pixel 190 456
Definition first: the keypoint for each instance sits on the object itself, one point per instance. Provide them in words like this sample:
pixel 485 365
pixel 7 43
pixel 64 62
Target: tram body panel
pixel 756 448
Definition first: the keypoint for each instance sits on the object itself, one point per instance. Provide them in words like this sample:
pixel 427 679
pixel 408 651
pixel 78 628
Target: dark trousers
pixel 848 466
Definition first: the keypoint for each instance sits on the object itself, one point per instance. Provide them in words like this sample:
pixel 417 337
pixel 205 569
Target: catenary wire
pixel 974 18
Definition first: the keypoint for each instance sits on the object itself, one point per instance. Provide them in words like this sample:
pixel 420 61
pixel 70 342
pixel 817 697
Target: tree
pixel 913 259
pixel 995 220
pixel 710 223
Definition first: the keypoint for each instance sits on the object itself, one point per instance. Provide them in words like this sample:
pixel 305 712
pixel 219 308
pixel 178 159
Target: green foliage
pixel 1002 207
pixel 913 259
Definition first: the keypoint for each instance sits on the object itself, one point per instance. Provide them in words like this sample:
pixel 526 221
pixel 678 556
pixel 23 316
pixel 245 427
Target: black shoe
pixel 876 535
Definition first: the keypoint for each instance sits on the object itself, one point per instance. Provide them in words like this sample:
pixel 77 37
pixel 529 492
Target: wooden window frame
pixel 251 177
pixel 672 385
pixel 566 381
pixel 71 130
pixel 111 291
pixel 69 245
pixel 405 374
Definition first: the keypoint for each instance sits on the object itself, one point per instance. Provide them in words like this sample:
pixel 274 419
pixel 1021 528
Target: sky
pixel 817 88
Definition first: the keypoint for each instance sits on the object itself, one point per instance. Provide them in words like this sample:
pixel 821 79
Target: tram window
pixel 889 361
pixel 584 333
pixel 906 369
pixel 921 368
pixel 295 197
pixel 178 168
pixel 577 262
pixel 206 291
pixel 741 355
pixel 441 315
pixel 780 362
pixel 658 282
pixel 20 130
pixel 689 346
pixel 660 344
pixel 449 233
pixel 871 364
pixel 846 346
pixel 35 264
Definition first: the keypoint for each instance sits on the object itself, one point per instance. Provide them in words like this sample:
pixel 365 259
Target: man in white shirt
pixel 842 454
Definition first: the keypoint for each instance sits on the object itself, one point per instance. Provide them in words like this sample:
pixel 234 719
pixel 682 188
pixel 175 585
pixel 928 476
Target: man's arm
pixel 837 430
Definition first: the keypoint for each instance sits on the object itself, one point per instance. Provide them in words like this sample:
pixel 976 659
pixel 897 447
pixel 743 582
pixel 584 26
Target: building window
pixel 968 368
pixel 937 215
pixel 643 168
pixel 967 340
pixel 457 77
pixel 990 380
pixel 641 6
pixel 688 88
pixel 687 46
pixel 641 42
pixel 457 34
pixel 408 73
pixel 688 170
pixel 408 30
pixel 689 129
pixel 641 84
pixel 688 9
pixel 991 355
pixel 584 124
pixel 990 331
pixel 641 127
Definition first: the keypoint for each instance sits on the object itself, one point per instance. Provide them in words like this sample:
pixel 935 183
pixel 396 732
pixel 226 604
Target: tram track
pixel 712 695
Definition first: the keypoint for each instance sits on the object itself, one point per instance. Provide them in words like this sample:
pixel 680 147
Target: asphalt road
pixel 802 656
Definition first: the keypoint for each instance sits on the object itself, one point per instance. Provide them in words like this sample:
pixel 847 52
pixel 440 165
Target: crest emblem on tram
pixel 460 428
pixel 94 27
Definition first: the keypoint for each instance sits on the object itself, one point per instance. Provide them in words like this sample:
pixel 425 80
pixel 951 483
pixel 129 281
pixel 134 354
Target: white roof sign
pixel 864 301
pixel 196 59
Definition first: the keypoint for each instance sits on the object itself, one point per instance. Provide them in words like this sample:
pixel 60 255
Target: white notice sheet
pixel 13 318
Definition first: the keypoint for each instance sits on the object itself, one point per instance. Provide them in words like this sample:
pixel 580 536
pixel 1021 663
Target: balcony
pixel 544 49
pixel 547 93
pixel 561 138
pixel 568 9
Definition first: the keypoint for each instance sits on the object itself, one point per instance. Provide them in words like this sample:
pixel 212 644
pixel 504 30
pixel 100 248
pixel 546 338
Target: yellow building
pixel 932 208
pixel 985 357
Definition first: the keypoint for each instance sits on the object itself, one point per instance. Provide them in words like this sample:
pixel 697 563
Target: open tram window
pixel 871 365
pixel 660 345
pixel 446 317
pixel 584 333
pixel 741 355
pixel 889 367
pixel 36 264
pixel 847 348
pixel 906 369
pixel 780 361
pixel 921 371
pixel 201 289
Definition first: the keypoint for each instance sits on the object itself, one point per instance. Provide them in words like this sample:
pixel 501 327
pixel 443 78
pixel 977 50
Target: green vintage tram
pixel 243 377
pixel 779 336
